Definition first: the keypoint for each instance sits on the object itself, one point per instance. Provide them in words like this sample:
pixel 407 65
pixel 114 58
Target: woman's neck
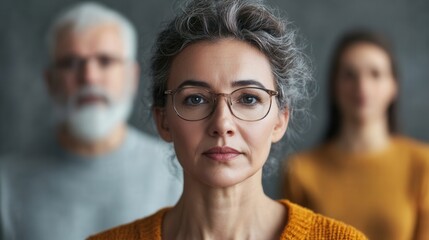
pixel 364 137
pixel 239 212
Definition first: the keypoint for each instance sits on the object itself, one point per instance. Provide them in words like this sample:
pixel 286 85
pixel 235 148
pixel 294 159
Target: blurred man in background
pixel 97 172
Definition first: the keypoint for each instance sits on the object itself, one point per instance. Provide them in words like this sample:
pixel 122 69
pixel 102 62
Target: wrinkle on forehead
pixel 222 64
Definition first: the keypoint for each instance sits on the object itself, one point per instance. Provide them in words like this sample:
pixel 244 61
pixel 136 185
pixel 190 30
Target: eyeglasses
pixel 197 103
pixel 74 64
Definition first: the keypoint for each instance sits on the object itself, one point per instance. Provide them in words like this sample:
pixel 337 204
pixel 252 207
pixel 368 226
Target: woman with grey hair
pixel 226 77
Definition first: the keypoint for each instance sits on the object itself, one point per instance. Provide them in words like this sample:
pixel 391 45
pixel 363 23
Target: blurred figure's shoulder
pixel 140 136
pixel 411 143
pixel 305 224
pixel 146 228
pixel 141 142
pixel 417 149
pixel 43 151
pixel 9 161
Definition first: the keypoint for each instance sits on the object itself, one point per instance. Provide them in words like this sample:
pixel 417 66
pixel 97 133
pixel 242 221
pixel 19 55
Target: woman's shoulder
pixel 412 145
pixel 417 151
pixel 142 229
pixel 305 224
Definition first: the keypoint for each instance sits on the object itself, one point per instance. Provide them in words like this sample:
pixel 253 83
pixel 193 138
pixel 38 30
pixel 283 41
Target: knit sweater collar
pixel 298 225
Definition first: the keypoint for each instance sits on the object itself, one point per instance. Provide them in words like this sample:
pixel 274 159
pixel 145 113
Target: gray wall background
pixel 25 115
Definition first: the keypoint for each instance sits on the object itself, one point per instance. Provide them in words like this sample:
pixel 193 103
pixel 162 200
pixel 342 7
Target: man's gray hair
pixel 249 21
pixel 89 14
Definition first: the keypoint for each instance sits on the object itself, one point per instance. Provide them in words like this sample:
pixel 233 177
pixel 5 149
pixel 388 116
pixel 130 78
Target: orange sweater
pixel 384 194
pixel 302 224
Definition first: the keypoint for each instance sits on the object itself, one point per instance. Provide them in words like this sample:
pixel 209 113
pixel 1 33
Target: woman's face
pixel 220 150
pixel 365 85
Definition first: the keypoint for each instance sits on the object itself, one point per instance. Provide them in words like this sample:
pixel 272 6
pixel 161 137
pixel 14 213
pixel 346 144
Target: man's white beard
pixel 94 121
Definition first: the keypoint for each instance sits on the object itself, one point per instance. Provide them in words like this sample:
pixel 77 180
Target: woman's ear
pixel 162 124
pixel 280 126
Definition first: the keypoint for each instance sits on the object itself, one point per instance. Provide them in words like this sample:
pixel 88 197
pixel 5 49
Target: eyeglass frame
pixel 172 93
pixel 59 64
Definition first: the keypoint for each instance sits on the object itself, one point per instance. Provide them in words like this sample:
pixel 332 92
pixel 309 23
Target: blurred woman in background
pixel 365 173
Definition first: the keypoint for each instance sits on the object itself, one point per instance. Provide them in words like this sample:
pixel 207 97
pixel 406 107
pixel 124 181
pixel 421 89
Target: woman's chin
pixel 224 178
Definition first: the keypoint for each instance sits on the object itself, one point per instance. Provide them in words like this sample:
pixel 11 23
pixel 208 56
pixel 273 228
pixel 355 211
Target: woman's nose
pixel 222 120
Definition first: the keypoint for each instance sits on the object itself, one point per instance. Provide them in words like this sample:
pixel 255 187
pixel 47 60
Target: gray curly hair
pixel 249 21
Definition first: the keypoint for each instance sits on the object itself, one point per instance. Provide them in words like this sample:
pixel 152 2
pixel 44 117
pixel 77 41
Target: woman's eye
pixel 248 99
pixel 195 100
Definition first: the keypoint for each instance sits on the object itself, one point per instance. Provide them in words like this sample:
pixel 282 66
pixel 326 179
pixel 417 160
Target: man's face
pixel 91 57
pixel 92 81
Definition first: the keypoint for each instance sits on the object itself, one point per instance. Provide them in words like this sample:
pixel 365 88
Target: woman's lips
pixel 222 154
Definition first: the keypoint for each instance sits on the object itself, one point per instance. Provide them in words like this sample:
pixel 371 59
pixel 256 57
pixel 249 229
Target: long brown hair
pixel 346 41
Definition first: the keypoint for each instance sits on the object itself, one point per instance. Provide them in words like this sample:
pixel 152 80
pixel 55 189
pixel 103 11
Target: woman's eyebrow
pixel 244 83
pixel 194 83
pixel 238 83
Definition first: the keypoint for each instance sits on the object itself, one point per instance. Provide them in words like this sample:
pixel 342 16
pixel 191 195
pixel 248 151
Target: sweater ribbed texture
pixel 302 224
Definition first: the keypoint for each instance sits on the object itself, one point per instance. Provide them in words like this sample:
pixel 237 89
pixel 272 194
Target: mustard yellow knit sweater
pixel 302 224
pixel 384 194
